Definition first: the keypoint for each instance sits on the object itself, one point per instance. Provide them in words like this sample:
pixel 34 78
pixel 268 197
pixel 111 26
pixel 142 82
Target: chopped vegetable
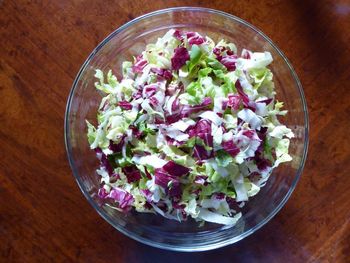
pixel 191 131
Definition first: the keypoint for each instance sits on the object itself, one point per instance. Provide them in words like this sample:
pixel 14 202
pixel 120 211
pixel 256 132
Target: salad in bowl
pixel 191 130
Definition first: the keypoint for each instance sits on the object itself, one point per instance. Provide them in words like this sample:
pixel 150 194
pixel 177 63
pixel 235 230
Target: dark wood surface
pixel 44 216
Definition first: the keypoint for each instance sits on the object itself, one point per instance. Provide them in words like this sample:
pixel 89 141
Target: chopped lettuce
pixel 190 131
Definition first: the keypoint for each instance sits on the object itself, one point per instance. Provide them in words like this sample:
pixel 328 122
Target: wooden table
pixel 44 216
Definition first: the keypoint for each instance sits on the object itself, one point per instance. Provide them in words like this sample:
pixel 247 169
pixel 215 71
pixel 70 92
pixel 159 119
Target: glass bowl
pixel 130 39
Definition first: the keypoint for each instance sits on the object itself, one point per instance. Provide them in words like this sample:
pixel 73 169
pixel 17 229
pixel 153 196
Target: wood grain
pixel 43 215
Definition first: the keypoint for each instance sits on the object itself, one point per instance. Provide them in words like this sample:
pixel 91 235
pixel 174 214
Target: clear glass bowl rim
pixel 146 241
